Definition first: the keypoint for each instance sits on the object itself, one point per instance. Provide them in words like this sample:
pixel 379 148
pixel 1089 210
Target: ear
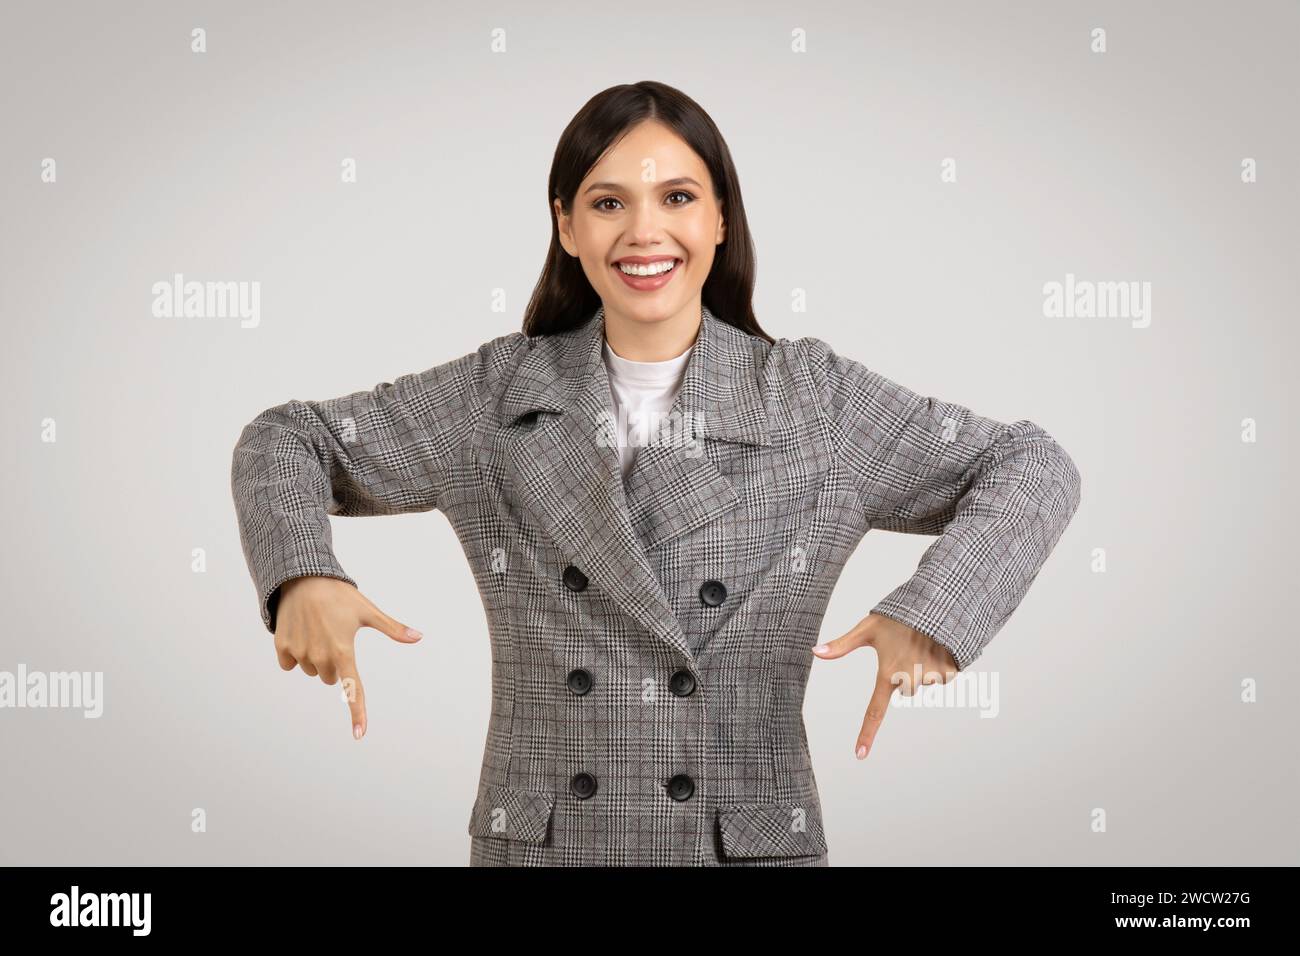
pixel 722 226
pixel 565 228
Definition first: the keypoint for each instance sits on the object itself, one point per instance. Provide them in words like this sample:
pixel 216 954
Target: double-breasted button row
pixel 712 593
pixel 680 787
pixel 682 683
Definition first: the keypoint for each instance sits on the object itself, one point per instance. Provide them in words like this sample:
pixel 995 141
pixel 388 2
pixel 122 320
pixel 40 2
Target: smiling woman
pixel 653 630
pixel 650 240
pixel 648 222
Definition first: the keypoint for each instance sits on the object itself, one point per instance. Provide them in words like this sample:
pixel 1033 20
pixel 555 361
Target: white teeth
pixel 653 269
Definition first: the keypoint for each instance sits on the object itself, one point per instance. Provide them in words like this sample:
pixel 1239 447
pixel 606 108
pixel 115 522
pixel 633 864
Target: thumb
pixel 859 636
pixel 373 617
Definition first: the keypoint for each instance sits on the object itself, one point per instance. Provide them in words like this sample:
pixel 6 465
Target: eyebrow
pixel 679 181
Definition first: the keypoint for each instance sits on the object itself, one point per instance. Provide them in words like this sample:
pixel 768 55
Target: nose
pixel 645 227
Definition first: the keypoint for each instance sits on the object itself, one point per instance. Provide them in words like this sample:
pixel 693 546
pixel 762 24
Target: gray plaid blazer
pixel 651 641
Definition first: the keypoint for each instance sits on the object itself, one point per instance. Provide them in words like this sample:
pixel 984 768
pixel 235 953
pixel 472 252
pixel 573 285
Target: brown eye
pixel 597 204
pixel 681 192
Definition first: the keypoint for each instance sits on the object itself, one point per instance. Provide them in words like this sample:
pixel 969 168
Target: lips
pixel 651 282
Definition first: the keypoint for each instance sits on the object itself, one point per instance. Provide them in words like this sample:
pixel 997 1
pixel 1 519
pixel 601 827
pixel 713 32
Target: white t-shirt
pixel 643 392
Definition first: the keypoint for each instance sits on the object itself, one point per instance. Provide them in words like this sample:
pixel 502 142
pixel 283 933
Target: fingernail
pixel 413 634
pixel 862 751
pixel 356 731
pixel 822 648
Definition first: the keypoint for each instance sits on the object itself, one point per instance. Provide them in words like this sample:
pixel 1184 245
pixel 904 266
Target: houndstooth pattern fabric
pixel 689 725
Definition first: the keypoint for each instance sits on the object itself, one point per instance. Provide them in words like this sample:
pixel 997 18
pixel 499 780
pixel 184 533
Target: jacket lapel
pixel 565 473
pixel 675 485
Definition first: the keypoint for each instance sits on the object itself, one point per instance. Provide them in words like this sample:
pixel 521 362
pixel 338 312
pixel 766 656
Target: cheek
pixel 593 264
pixel 702 254
pixel 700 242
pixel 582 235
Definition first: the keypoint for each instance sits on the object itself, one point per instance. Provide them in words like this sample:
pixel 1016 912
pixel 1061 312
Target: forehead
pixel 648 145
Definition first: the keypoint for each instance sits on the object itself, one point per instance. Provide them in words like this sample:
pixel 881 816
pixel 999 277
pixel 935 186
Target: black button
pixel 681 787
pixel 713 593
pixel 682 683
pixel 574 579
pixel 583 785
pixel 579 681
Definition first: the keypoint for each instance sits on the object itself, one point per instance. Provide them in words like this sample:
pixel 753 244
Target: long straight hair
pixel 563 298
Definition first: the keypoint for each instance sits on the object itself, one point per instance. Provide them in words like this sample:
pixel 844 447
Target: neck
pixel 652 340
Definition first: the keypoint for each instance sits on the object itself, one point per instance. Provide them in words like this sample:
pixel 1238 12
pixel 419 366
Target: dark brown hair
pixel 563 298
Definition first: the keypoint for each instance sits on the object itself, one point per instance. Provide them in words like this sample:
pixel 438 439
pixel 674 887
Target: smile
pixel 649 276
pixel 652 269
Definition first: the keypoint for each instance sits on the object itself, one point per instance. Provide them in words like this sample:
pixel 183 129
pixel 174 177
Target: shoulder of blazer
pixel 498 359
pixel 487 371
pixel 795 377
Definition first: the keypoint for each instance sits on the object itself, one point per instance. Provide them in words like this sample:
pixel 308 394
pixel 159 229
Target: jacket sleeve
pixel 389 450
pixel 997 496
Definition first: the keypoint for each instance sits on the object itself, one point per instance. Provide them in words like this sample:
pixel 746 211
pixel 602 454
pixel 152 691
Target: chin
pixel 649 313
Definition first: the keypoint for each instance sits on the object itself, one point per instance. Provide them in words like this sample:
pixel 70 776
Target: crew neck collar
pixel 646 371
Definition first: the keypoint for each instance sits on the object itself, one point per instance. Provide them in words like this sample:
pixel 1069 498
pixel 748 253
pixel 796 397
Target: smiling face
pixel 647 206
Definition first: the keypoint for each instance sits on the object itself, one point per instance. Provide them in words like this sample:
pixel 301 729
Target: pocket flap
pixel 511 814
pixel 771 829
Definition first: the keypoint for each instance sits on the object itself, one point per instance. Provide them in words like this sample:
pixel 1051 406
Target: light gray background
pixel 1118 690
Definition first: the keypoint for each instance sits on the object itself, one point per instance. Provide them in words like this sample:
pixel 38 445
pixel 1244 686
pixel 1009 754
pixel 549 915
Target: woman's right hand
pixel 316 625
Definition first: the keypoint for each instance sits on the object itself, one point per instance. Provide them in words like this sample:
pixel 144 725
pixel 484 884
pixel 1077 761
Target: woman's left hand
pixel 904 656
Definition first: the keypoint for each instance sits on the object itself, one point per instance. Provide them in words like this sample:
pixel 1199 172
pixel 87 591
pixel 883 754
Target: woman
pixel 656 499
